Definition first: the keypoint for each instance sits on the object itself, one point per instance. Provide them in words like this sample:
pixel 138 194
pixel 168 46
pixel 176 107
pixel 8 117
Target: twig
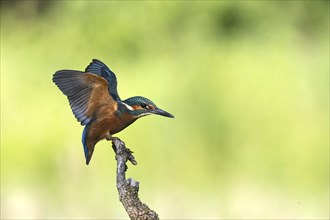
pixel 128 189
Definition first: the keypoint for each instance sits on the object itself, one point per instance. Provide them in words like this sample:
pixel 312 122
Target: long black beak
pixel 159 111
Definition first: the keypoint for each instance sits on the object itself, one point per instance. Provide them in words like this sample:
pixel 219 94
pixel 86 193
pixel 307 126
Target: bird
pixel 94 101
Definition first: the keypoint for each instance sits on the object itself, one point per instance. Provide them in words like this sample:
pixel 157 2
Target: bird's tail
pixel 88 144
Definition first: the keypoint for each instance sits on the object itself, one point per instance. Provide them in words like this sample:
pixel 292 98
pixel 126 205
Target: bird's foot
pixel 108 137
pixel 114 140
pixel 120 148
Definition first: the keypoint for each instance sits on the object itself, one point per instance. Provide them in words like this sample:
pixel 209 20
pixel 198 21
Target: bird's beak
pixel 159 111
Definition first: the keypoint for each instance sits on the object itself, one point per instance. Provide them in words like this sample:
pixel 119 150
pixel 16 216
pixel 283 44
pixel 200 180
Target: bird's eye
pixel 144 105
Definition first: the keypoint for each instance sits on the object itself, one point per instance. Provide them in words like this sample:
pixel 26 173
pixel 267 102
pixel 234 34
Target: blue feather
pixel 73 85
pixel 100 69
pixel 84 139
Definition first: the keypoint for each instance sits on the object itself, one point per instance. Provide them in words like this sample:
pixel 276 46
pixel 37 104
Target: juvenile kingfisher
pixel 95 103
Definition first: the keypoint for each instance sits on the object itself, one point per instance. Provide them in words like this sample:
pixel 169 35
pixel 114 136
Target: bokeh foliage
pixel 248 82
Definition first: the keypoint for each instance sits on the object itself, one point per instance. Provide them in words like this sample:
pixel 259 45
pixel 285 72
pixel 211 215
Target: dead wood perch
pixel 128 189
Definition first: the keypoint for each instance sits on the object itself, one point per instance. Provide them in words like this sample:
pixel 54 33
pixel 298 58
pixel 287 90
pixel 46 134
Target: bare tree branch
pixel 128 189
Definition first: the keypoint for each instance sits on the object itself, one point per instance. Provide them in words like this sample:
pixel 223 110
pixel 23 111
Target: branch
pixel 128 189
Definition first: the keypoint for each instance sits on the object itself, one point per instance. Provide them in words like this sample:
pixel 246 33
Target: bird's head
pixel 140 106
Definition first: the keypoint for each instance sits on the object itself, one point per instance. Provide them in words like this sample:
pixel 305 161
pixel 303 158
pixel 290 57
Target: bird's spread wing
pixel 86 92
pixel 100 69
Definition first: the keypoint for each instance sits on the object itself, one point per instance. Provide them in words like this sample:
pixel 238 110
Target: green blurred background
pixel 248 83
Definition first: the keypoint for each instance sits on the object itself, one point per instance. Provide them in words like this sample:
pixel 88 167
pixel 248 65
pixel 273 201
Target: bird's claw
pixel 119 147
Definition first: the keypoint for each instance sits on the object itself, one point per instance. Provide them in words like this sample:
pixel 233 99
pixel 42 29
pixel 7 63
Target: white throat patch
pixel 144 114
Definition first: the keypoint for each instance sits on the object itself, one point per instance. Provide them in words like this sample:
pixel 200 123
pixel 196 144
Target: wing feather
pixel 99 68
pixel 86 92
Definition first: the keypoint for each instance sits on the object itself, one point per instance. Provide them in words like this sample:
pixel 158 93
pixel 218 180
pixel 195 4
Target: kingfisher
pixel 94 101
